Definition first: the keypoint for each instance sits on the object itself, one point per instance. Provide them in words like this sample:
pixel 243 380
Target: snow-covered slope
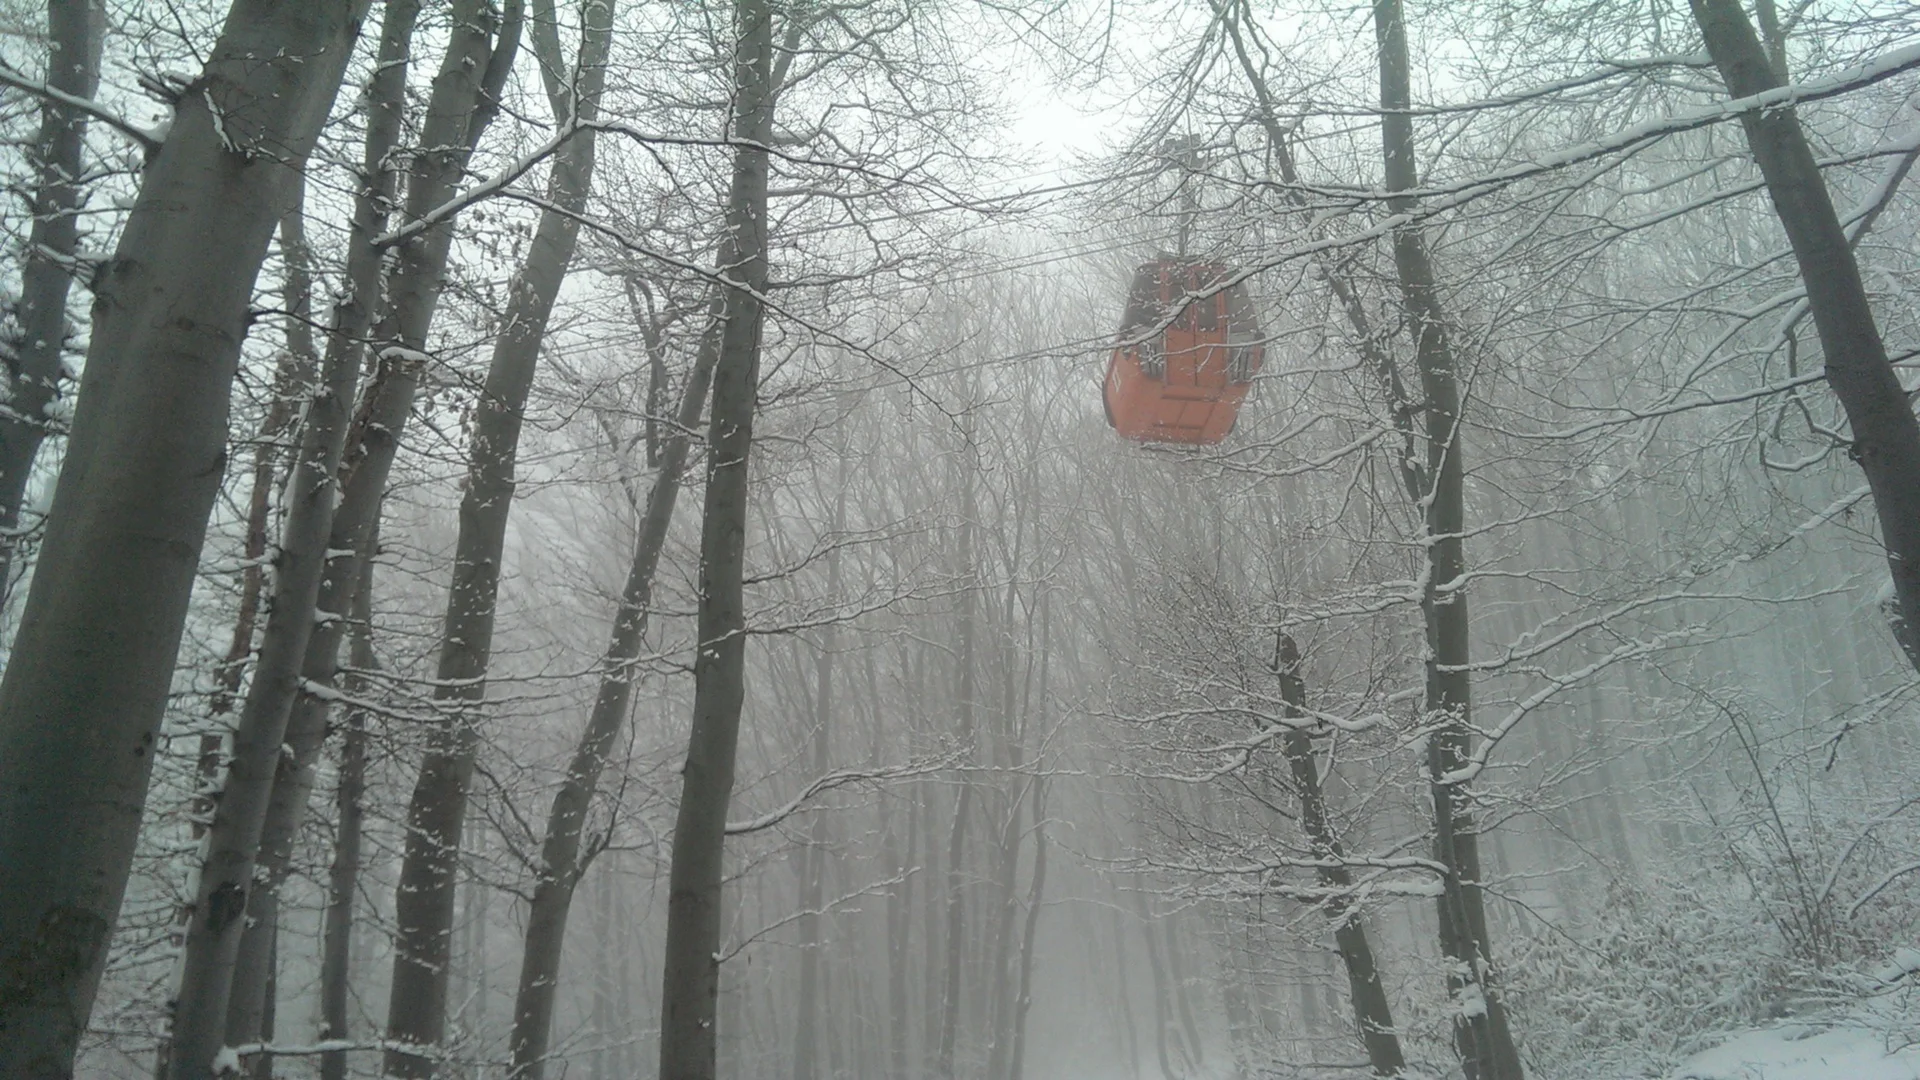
pixel 1809 1052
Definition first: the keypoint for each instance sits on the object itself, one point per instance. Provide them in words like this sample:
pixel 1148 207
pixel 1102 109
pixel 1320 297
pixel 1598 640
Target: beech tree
pixel 34 357
pixel 201 1015
pixel 1886 436
pixel 962 736
pixel 425 900
pixel 691 979
pixel 81 701
pixel 463 102
pixel 1486 1041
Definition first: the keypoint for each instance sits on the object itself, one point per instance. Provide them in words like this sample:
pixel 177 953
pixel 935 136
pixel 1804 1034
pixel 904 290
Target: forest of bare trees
pixel 578 539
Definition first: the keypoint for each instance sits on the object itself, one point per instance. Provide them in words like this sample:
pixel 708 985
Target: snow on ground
pixel 1809 1052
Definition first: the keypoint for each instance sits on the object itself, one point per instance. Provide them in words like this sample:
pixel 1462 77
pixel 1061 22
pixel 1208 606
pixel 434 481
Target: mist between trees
pixel 1523 687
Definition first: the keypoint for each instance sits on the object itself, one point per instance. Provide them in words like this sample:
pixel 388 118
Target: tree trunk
pixel 1371 1010
pixel 813 995
pixel 560 861
pixel 1368 344
pixel 899 896
pixel 46 274
pixel 899 922
pixel 1036 892
pixel 908 1048
pixel 425 900
pixel 1486 1045
pixel 467 1017
pixel 456 113
pixel 233 836
pixel 604 1023
pixel 1182 995
pixel 999 973
pixel 87 684
pixel 1238 1008
pixel 1886 436
pixel 691 984
pixel 292 621
pixel 957 835
pixel 1123 993
pixel 343 877
pixel 933 979
pixel 200 1015
pixel 297 367
pixel 260 1066
pixel 1162 1010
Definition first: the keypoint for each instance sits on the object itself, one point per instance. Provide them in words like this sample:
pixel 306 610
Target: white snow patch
pixel 1905 962
pixel 1473 1003
pixel 1806 1052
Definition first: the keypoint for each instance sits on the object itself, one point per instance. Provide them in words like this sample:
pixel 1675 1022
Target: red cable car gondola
pixel 1186 354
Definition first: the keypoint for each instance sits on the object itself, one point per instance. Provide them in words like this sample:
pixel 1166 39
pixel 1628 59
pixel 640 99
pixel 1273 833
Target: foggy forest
pixel 959 539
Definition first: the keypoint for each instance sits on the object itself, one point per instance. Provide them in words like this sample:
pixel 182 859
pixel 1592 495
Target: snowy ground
pixel 1810 1052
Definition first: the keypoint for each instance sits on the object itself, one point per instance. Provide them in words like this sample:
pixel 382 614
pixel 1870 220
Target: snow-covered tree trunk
pixel 87 683
pixel 294 621
pixel 212 944
pixel 1371 1011
pixel 343 876
pixel 1886 435
pixel 691 983
pixel 899 926
pixel 1486 1045
pixel 457 111
pixel 1030 938
pixel 46 275
pixel 424 904
pixel 297 366
pixel 560 860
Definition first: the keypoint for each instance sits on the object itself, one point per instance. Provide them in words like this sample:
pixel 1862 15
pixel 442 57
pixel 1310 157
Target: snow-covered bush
pixel 1660 973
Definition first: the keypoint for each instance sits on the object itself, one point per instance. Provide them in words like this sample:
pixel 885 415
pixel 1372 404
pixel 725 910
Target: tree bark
pixel 46 275
pixel 87 684
pixel 1481 1031
pixel 425 901
pixel 1123 993
pixel 297 366
pixel 1371 1010
pixel 213 937
pixel 456 114
pixel 691 984
pixel 1016 687
pixel 292 621
pixel 560 861
pixel 1886 435
pixel 999 971
pixel 932 979
pixel 343 876
pixel 1368 344
pixel 1023 1002
pixel 604 1024
pixel 260 1066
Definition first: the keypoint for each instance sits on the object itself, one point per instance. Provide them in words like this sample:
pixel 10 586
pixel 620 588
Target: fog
pixel 1008 541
